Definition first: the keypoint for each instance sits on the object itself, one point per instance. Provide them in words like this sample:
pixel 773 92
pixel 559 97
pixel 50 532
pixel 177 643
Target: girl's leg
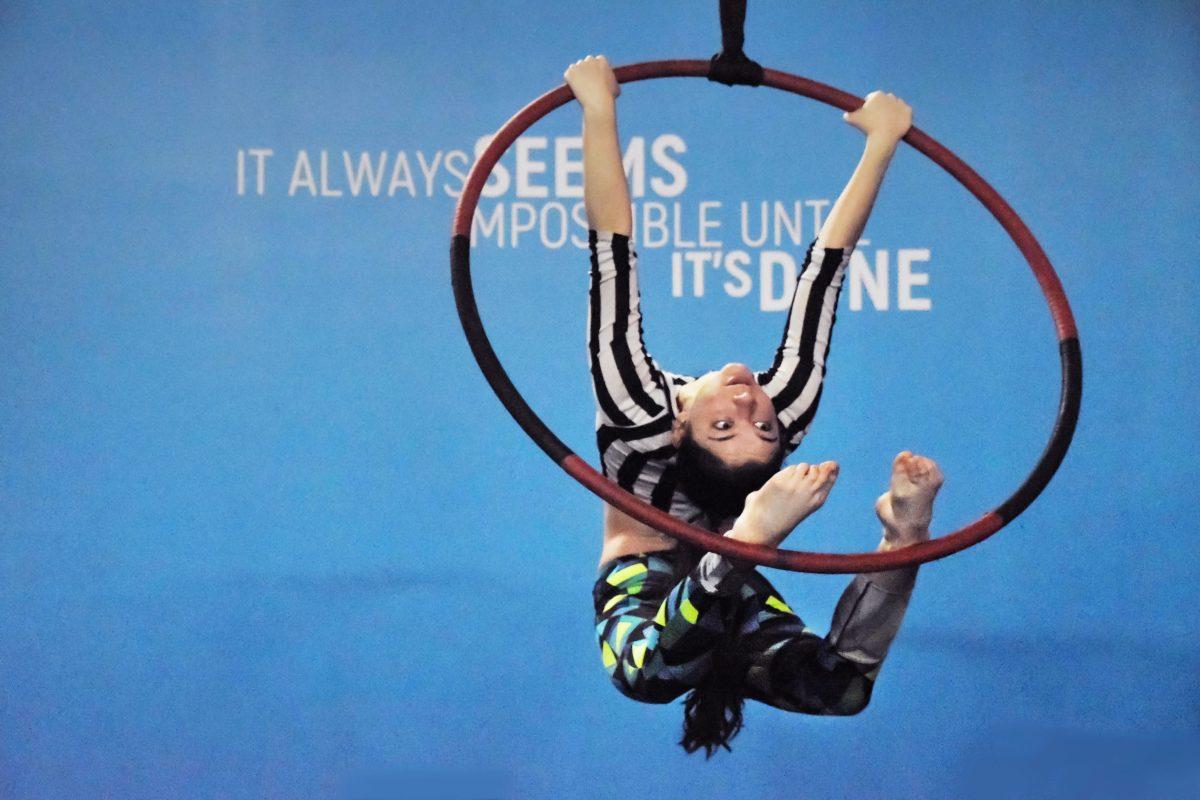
pixel 789 666
pixel 657 625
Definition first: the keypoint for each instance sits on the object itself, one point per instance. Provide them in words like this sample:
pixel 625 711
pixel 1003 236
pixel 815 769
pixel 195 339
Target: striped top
pixel 636 399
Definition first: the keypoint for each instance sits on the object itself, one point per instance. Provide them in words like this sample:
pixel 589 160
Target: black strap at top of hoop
pixel 731 66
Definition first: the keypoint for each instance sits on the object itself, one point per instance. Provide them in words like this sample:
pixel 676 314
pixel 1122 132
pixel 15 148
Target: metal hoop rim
pixel 795 560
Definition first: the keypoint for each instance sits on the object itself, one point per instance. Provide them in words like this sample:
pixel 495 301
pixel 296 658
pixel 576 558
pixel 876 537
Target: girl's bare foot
pixel 906 508
pixel 788 497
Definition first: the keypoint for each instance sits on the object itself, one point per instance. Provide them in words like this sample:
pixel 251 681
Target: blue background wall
pixel 267 533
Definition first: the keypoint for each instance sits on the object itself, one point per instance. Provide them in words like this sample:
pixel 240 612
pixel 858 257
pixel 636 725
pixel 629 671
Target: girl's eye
pixel 722 424
pixel 763 426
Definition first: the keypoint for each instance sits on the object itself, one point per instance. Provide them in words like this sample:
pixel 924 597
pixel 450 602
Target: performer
pixel 709 450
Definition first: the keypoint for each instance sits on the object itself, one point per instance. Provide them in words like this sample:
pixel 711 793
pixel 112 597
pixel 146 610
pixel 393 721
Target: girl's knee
pixel 853 701
pixel 648 691
pixel 640 682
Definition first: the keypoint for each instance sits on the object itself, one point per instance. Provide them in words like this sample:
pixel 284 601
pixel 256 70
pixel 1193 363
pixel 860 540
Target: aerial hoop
pixel 796 560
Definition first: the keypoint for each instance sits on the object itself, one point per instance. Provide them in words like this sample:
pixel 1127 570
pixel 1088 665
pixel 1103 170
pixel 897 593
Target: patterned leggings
pixel 661 634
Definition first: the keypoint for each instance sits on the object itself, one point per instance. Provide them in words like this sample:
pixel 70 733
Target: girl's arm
pixel 884 118
pixel 630 388
pixel 605 193
pixel 795 378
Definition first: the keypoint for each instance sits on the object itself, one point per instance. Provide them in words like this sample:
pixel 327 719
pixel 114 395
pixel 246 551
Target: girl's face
pixel 729 415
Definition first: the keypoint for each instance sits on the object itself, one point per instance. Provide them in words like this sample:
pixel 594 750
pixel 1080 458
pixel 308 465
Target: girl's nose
pixel 737 373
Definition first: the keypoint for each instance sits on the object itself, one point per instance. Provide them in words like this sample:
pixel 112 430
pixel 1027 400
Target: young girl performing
pixel 709 450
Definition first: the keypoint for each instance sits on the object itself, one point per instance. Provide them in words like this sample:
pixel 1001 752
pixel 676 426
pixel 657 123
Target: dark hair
pixel 715 487
pixel 712 712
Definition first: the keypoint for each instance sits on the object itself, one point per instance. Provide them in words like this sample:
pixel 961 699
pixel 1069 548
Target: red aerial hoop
pixel 737 69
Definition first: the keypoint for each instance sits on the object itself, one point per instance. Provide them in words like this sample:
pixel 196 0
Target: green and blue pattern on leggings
pixel 660 634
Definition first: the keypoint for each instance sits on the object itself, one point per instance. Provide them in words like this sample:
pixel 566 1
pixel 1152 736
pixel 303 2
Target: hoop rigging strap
pixel 732 66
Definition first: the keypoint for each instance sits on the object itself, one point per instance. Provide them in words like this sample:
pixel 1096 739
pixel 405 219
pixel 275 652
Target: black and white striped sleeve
pixel 794 380
pixel 630 388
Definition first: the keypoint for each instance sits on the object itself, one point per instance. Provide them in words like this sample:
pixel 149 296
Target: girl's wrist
pixel 599 108
pixel 882 144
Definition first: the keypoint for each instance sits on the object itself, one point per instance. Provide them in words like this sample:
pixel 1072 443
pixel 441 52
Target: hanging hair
pixel 715 487
pixel 712 712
